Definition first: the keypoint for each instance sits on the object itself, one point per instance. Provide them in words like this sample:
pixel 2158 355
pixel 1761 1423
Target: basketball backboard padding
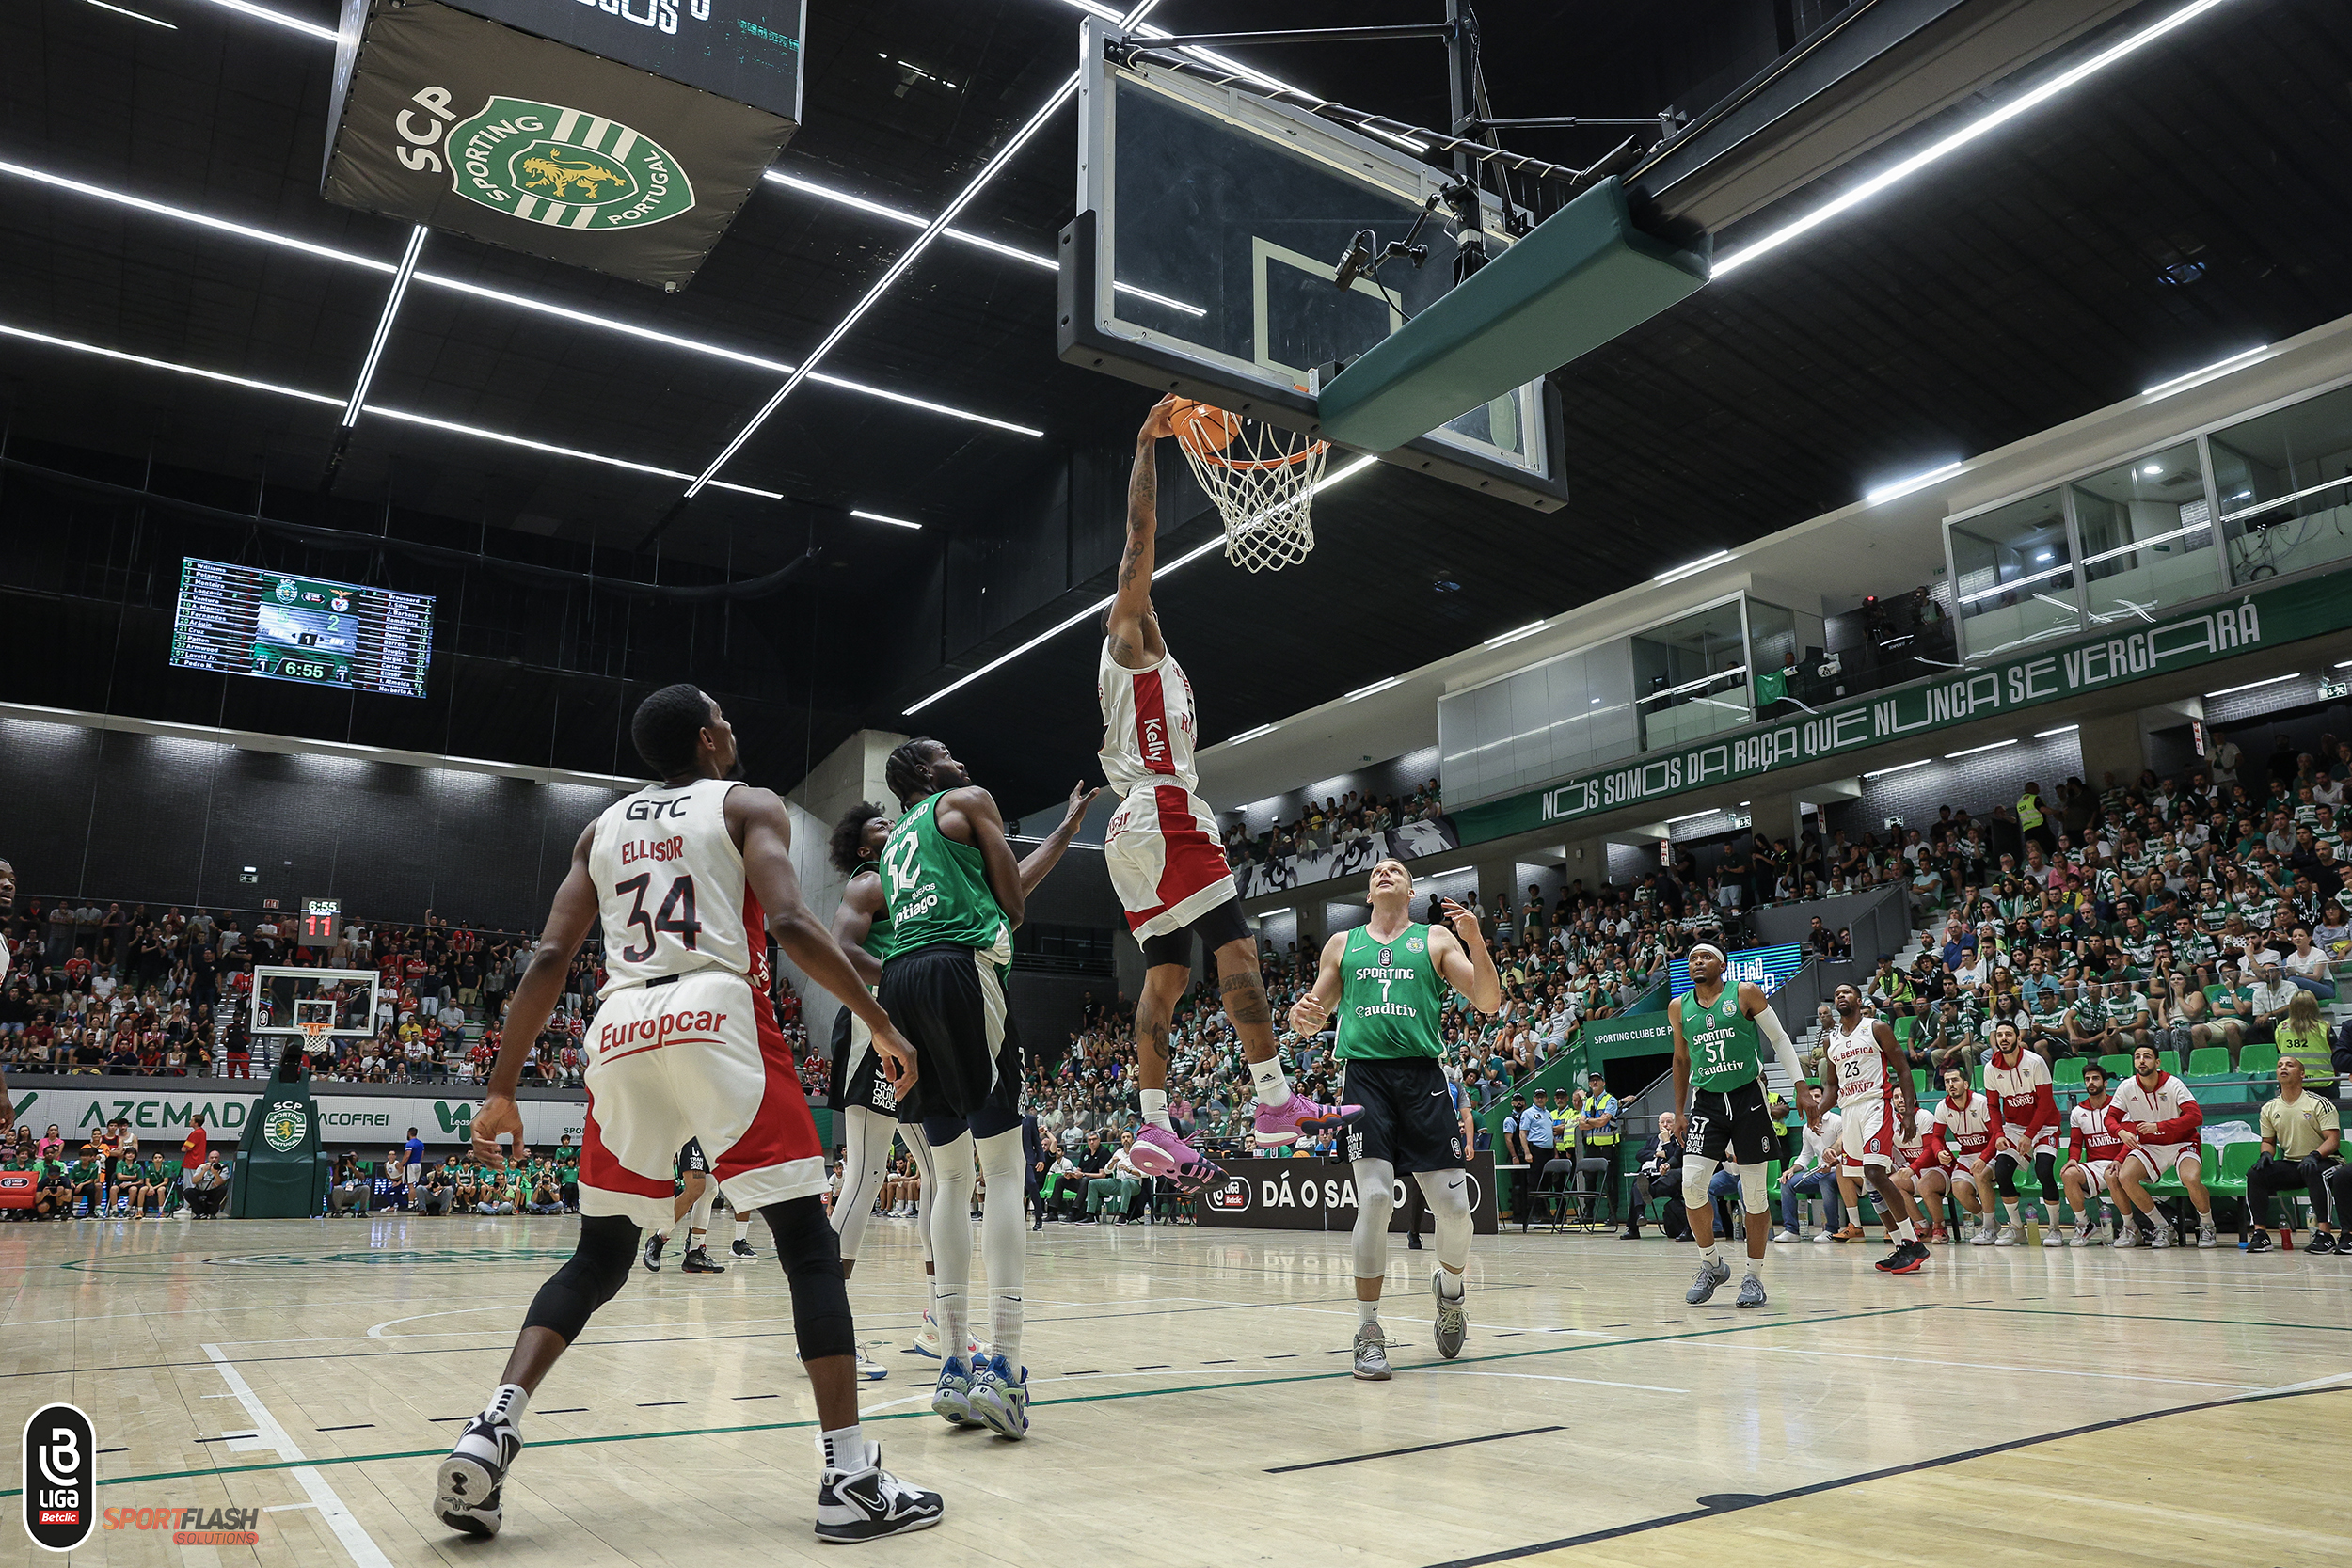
pixel 1582 278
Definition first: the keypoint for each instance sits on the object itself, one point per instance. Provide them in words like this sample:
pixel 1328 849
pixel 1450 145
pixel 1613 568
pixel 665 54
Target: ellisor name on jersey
pixel 652 849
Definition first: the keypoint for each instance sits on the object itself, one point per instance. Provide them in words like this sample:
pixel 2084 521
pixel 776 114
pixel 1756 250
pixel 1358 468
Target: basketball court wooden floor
pixel 1193 1403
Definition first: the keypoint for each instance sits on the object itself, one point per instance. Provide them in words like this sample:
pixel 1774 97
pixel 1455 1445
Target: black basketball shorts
pixel 859 1083
pixel 1409 1118
pixel 949 1001
pixel 1734 1125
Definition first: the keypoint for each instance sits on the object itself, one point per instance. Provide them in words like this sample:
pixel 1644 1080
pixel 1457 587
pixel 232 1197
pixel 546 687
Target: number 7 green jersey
pixel 1390 996
pixel 937 889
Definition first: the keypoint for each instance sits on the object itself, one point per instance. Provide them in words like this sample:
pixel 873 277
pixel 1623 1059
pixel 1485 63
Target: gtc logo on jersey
pixel 1232 1198
pixel 547 164
pixel 60 1477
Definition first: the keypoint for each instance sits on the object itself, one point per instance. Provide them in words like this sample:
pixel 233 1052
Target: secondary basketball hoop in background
pixel 1260 476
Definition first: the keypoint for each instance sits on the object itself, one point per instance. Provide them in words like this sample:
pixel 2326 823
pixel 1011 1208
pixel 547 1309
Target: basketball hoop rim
pixel 1311 450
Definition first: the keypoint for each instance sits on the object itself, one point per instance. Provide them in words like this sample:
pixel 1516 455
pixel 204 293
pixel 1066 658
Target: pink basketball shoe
pixel 1302 1117
pixel 1159 1152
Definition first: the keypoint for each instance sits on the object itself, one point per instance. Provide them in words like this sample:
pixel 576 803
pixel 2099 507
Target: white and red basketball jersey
pixel 2029 1115
pixel 1967 1128
pixel 1911 1135
pixel 1147 729
pixel 1861 1065
pixel 2169 1105
pixel 2093 1139
pixel 670 885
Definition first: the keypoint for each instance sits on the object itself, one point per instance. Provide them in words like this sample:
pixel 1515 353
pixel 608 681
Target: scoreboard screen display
pixel 238 621
pixel 322 923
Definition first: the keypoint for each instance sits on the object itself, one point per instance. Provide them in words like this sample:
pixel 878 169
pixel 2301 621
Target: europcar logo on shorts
pixel 285 1128
pixel 565 167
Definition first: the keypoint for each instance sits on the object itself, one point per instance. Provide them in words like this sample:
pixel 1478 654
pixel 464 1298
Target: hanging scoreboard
pixel 281 625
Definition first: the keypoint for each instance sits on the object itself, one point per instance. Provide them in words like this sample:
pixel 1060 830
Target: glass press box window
pixel 2282 478
pixel 2013 575
pixel 2147 535
pixel 1690 676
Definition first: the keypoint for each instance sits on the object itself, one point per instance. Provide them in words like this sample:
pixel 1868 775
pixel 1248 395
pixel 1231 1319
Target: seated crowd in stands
pixel 170 995
pixel 1335 821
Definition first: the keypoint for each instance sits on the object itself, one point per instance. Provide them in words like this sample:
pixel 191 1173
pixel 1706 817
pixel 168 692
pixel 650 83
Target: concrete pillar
pixel 2111 743
pixel 1776 815
pixel 851 772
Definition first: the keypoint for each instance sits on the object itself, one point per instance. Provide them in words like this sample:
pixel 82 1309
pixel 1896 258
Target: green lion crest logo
pixel 285 1128
pixel 565 167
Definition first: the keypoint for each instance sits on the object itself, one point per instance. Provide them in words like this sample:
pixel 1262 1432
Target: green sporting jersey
pixel 876 938
pixel 1390 996
pixel 1725 1050
pixel 937 889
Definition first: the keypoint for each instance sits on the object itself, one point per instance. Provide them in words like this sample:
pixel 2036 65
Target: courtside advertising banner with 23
pixel 461 123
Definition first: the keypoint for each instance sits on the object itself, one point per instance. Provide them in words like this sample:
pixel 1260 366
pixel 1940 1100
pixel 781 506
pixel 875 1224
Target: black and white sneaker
pixel 742 1249
pixel 466 1494
pixel 654 1244
pixel 865 1505
pixel 698 1261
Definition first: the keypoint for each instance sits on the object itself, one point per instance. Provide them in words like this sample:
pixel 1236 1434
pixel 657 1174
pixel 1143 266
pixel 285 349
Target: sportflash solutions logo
pixel 60 1477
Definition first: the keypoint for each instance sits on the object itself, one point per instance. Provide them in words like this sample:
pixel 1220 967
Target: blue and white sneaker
pixel 870 1369
pixel 1000 1397
pixel 951 1401
pixel 863 1504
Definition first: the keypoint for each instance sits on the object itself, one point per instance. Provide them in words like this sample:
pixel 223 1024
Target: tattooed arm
pixel 1134 631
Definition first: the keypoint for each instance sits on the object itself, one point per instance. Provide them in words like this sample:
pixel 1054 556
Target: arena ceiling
pixel 2191 203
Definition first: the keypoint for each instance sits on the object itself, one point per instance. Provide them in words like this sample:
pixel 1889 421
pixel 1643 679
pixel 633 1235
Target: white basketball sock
pixel 1272 1084
pixel 845 1448
pixel 742 1229
pixel 1367 1312
pixel 1155 1108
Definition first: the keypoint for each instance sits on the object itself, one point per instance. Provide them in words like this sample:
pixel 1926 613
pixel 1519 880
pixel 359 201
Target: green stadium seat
pixel 2209 1062
pixel 2257 1061
pixel 1918 1080
pixel 2118 1067
pixel 1975 1076
pixel 1902 1028
pixel 2170 1061
pixel 2068 1074
pixel 2229 1178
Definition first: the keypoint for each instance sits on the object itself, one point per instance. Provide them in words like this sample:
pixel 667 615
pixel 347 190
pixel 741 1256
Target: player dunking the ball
pixel 1164 858
pixel 1719 1096
pixel 1387 980
pixel 690 878
pixel 1869 1066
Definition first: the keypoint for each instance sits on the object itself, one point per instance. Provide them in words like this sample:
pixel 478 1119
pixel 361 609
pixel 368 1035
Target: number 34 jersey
pixel 670 885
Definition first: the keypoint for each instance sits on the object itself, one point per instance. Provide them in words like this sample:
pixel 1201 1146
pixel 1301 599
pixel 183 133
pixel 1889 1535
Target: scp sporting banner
pixel 459 123
pixel 1318 1194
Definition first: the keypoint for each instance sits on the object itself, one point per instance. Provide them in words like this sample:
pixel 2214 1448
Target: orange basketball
pixel 1201 429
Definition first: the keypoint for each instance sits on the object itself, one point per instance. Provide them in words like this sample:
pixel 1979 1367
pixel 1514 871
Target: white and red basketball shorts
pixel 1165 859
pixel 700 1057
pixel 2097 1172
pixel 1867 1132
pixel 2157 1159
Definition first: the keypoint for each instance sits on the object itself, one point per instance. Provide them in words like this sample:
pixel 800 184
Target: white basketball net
pixel 314 1038
pixel 1263 483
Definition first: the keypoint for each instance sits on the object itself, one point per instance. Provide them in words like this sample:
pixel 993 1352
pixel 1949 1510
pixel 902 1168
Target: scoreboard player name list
pixel 219 610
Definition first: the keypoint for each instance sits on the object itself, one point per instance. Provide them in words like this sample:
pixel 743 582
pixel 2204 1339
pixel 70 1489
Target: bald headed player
pixel 1869 1067
pixel 1166 860
pixel 1719 1102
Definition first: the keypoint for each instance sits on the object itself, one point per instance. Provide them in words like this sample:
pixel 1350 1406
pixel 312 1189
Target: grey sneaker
pixel 1372 1353
pixel 2086 1234
pixel 2205 1238
pixel 1452 1323
pixel 2010 1234
pixel 2161 1236
pixel 1751 1293
pixel 2128 1234
pixel 2053 1236
pixel 1703 1283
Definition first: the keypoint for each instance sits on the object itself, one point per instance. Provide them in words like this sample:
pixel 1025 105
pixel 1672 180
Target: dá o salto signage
pixel 460 122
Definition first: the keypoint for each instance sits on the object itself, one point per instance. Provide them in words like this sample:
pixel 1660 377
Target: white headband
pixel 1710 947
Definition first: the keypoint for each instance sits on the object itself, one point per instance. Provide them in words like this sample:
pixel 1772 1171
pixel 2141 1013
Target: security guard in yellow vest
pixel 2031 825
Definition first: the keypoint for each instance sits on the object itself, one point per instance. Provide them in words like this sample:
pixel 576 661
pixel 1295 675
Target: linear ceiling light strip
pixel 384 326
pixel 899 268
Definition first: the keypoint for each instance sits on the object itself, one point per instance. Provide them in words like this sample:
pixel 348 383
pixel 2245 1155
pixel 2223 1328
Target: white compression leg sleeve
pixel 1776 1034
pixel 1375 1200
pixel 1447 1193
pixel 1004 1241
pixel 927 1179
pixel 1696 1174
pixel 1751 1188
pixel 865 1149
pixel 947 1217
pixel 698 1217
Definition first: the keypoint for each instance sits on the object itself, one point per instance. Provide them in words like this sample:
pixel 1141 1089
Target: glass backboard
pixel 1205 260
pixel 286 998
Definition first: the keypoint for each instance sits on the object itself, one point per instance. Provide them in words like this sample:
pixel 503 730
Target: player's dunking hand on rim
pixel 1162 419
